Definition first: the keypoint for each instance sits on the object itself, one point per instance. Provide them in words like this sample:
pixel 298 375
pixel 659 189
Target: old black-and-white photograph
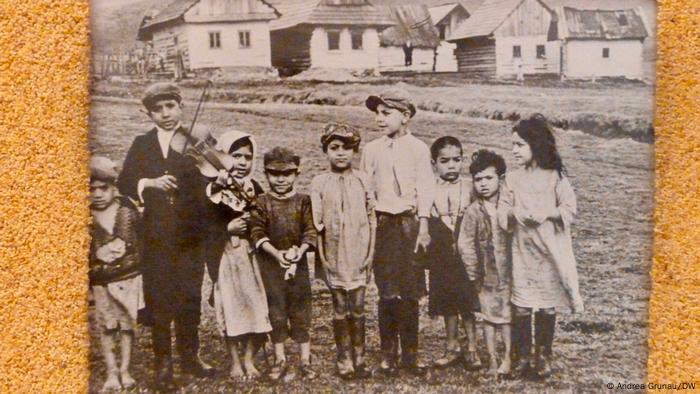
pixel 358 196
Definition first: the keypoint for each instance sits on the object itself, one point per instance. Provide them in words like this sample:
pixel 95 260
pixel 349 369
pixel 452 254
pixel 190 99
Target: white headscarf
pixel 223 144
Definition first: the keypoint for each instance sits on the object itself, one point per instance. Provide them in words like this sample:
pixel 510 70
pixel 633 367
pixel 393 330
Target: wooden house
pixel 198 34
pixel 508 38
pixel 446 18
pixel 601 43
pixel 414 31
pixel 326 34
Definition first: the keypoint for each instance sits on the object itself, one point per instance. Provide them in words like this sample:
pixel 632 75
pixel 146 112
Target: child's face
pixel 281 182
pixel 521 150
pixel 166 113
pixel 339 154
pixel 390 120
pixel 486 182
pixel 448 163
pixel 102 194
pixel 239 162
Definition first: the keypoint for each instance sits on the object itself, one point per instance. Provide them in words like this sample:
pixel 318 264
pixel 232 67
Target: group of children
pixel 498 248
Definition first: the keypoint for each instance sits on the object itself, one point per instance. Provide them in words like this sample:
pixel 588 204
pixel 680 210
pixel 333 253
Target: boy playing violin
pixel 171 190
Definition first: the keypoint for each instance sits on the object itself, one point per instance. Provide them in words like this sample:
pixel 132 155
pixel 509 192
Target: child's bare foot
pixel 504 369
pixel 127 381
pixel 493 367
pixel 112 382
pixel 237 372
pixel 250 370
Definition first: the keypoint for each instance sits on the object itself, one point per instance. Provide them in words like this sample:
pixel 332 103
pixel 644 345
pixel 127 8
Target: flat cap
pixel 281 159
pixel 393 98
pixel 160 91
pixel 342 131
pixel 103 169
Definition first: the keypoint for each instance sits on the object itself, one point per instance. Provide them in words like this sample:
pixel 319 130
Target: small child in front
pixel 282 229
pixel 483 247
pixel 115 277
pixel 343 209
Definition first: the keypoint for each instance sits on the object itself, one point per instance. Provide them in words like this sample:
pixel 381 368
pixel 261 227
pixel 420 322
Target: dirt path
pixel 612 240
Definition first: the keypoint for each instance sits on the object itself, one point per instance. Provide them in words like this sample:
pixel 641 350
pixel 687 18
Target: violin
pixel 201 147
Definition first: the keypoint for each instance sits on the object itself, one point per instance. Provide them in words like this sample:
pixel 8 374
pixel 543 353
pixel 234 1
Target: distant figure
pixel 408 53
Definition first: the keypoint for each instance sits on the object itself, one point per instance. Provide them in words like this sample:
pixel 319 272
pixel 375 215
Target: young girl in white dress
pixel 538 205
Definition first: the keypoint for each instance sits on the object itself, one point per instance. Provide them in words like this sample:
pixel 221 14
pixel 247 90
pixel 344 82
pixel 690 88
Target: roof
pixel 487 18
pixel 600 24
pixel 328 12
pixel 413 22
pixel 178 8
pixel 439 13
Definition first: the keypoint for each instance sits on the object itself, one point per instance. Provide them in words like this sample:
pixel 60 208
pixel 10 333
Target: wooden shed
pixel 196 34
pixel 446 18
pixel 508 38
pixel 602 43
pixel 327 34
pixel 413 28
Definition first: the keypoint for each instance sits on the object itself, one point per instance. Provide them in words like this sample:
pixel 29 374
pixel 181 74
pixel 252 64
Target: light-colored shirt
pixel 401 173
pixel 164 139
pixel 451 200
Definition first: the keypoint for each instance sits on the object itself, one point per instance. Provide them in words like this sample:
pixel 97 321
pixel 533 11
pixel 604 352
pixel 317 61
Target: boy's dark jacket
pixel 126 227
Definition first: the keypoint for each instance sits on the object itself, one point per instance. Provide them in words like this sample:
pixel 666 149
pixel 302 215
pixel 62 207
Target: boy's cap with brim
pixel 342 131
pixel 160 91
pixel 395 98
pixel 103 169
pixel 281 159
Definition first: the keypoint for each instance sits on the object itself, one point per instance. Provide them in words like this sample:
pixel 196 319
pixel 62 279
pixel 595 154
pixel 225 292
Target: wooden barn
pixel 197 34
pixel 508 38
pixel 602 43
pixel 446 18
pixel 414 31
pixel 326 34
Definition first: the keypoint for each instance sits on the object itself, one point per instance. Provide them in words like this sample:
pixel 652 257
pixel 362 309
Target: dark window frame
pixel 606 53
pixel 214 40
pixel 517 52
pixel 354 35
pixel 541 51
pixel 335 40
pixel 244 39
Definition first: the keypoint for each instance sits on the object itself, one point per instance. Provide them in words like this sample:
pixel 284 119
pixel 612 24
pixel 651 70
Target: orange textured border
pixel 43 212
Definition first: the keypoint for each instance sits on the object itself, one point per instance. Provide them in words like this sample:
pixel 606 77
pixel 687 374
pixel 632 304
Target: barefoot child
pixel 282 229
pixel 538 205
pixel 343 209
pixel 399 165
pixel 114 269
pixel 483 247
pixel 451 293
pixel 239 294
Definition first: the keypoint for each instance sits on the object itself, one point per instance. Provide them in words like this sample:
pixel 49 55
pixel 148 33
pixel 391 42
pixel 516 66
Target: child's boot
pixel 357 335
pixel 544 336
pixel 408 327
pixel 388 336
pixel 522 342
pixel 342 343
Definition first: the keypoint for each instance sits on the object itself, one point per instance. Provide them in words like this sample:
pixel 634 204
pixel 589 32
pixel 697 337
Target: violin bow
pixel 196 112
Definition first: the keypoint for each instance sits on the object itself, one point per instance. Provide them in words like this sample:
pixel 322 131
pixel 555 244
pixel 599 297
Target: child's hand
pixel 118 248
pixel 239 225
pixel 222 177
pixel 165 183
pixel 422 242
pixel 103 253
pixel 281 260
pixel 293 255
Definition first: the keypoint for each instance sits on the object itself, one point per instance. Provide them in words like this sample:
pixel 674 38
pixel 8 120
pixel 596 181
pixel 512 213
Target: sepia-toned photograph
pixel 357 196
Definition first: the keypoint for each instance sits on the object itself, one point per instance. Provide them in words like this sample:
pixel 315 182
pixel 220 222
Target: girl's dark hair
pixel 442 142
pixel 348 143
pixel 537 132
pixel 483 159
pixel 239 143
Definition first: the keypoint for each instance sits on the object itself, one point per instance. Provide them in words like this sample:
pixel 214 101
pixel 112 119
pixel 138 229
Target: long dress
pixel 343 211
pixel 544 266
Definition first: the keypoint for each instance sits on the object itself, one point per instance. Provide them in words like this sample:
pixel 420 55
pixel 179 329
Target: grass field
pixel 613 179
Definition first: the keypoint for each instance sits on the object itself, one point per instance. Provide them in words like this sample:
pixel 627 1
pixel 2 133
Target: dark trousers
pixel 186 336
pixel 398 323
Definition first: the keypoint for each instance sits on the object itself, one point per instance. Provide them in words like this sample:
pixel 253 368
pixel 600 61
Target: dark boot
pixel 163 381
pixel 357 335
pixel 544 335
pixel 342 343
pixel 522 341
pixel 187 338
pixel 408 330
pixel 388 336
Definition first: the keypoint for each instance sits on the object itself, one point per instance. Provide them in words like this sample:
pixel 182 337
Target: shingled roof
pixel 440 12
pixel 413 23
pixel 600 24
pixel 487 18
pixel 329 12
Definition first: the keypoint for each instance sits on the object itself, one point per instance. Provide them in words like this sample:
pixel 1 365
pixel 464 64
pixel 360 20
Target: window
pixel 606 53
pixel 541 52
pixel 442 29
pixel 516 51
pixel 244 39
pixel 214 40
pixel 333 40
pixel 356 37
